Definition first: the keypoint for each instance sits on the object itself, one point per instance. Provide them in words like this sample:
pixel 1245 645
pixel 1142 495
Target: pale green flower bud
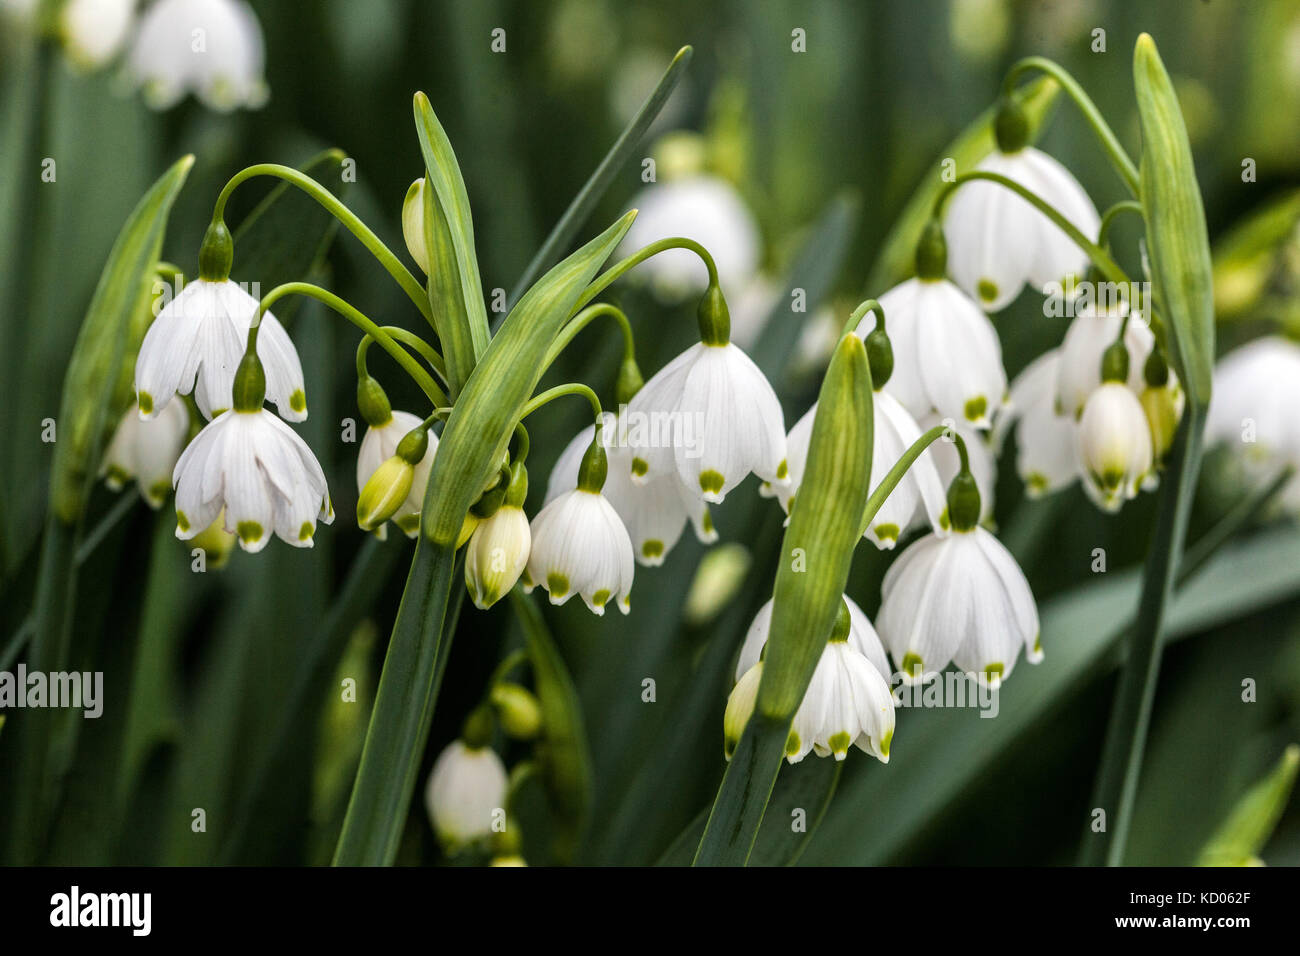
pixel 413 224
pixel 497 555
pixel 519 711
pixel 384 493
pixel 740 706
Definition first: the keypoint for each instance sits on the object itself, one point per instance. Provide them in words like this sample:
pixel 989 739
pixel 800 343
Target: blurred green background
pixel 826 146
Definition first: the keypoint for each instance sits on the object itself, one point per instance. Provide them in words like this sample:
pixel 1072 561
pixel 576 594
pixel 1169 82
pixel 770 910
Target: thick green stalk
pixel 403 712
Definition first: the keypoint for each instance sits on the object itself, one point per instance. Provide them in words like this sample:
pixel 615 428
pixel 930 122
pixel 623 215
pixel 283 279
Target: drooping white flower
pixel 1046 459
pixel 848 703
pixel 465 793
pixel 1091 332
pixel 1253 407
pixel 94 31
pixel 947 462
pixel 147 451
pixel 894 432
pixel 258 469
pixel 711 416
pixel 862 638
pixel 196 342
pixel 211 48
pixel 998 242
pixel 497 554
pixel 1114 446
pixel 947 357
pixel 580 546
pixel 654 512
pixel 700 207
pixel 380 444
pixel 959 598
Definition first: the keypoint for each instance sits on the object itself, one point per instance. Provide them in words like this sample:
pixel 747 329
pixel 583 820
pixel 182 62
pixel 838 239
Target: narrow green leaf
pixel 403 712
pixel 1252 821
pixel 583 203
pixel 94 376
pixel 485 414
pixel 1179 246
pixel 815 559
pixel 895 261
pixel 446 295
pixel 449 189
pixel 563 753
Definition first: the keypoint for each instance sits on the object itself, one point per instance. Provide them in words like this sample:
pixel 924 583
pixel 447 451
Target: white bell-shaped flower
pixel 895 431
pixel 211 48
pixel 147 451
pixel 580 545
pixel 1253 410
pixel 195 345
pixel 465 794
pixel 258 469
pixel 1091 332
pixel 654 512
pixel 959 598
pixel 710 416
pixel 1114 445
pixel 94 31
pixel 998 242
pixel 947 357
pixel 1046 459
pixel 380 444
pixel 862 637
pixel 706 209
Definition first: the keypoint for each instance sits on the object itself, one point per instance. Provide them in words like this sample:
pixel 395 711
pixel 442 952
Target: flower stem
pixel 618 269
pixel 1113 213
pixel 1121 758
pixel 361 321
pixel 858 314
pixel 1100 257
pixel 406 337
pixel 581 321
pixel 887 484
pixel 350 220
pixel 1119 159
pixel 551 394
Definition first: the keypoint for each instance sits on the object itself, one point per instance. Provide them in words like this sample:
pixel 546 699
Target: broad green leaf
pixel 93 376
pixel 622 150
pixel 449 189
pixel 895 261
pixel 1252 821
pixel 562 753
pixel 815 559
pixel 484 417
pixel 1177 240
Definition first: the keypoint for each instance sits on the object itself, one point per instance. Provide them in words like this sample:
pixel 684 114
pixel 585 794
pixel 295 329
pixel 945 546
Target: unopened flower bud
pixel 413 224
pixel 519 711
pixel 384 493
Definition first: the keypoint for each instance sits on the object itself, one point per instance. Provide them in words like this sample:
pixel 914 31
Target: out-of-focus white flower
pixel 378 445
pixel 1086 340
pixel 1114 445
pixel 959 598
pixel 947 357
pixel 893 433
pixel 265 477
pixel 1046 459
pixel 94 31
pixel 701 207
pixel 998 242
pixel 147 451
pixel 751 309
pixel 1255 402
pixel 465 793
pixel 711 416
pixel 196 342
pixel 211 48
pixel 947 462
pixel 654 512
pixel 581 547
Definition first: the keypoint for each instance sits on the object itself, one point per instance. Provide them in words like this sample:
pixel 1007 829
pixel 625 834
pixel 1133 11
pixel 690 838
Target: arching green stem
pixel 551 394
pixel 585 318
pixel 1119 159
pixel 618 269
pixel 1113 213
pixel 361 321
pixel 525 444
pixel 410 285
pixel 1108 267
pixel 858 314
pixel 406 337
pixel 510 662
pixel 895 475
